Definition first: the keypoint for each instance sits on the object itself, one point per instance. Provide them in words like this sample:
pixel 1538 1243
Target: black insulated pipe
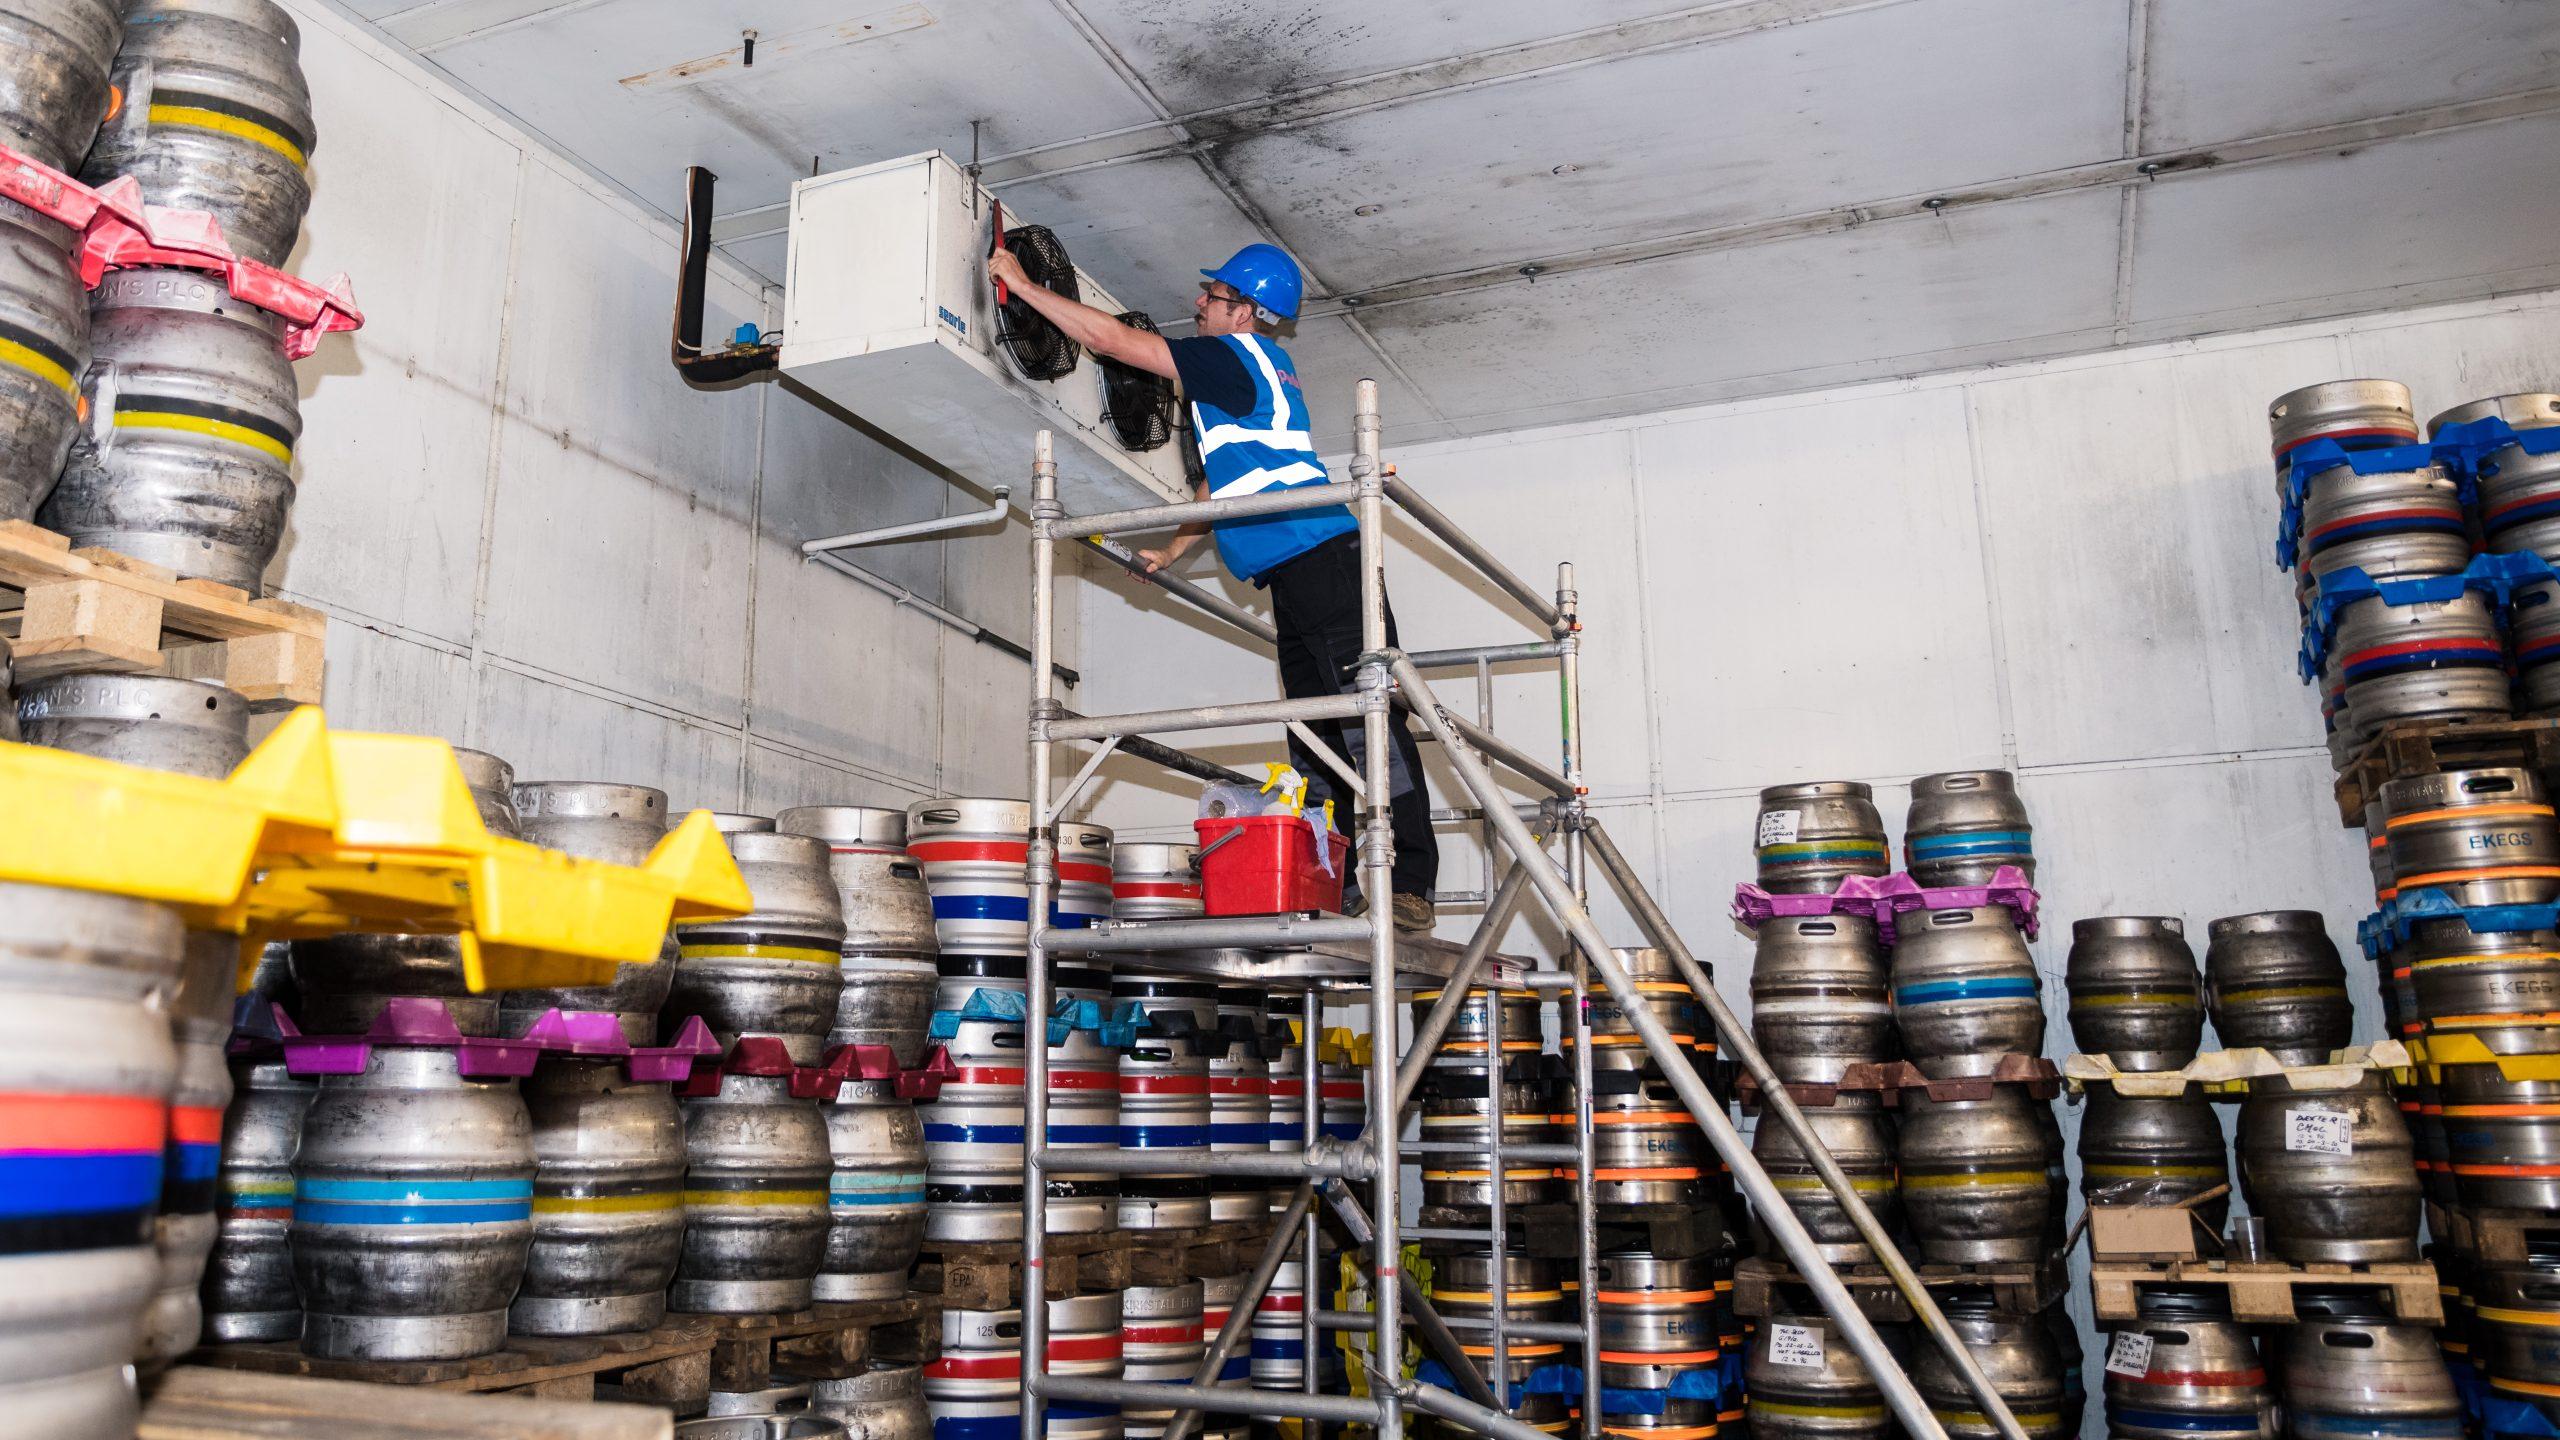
pixel 693 278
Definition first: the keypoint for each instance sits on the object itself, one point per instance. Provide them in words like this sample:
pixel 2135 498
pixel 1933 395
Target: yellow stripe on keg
pixel 709 1198
pixel 249 130
pixel 2506 957
pixel 1862 1184
pixel 1817 1412
pixel 2522 1387
pixel 2138 1172
pixel 1485 1297
pixel 606 1204
pixel 203 425
pixel 1987 1177
pixel 2547 1319
pixel 806 954
pixel 2031 1420
pixel 35 362
pixel 2285 992
pixel 2182 999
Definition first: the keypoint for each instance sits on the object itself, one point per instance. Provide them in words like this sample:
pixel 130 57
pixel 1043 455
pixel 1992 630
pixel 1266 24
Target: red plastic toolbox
pixel 1268 869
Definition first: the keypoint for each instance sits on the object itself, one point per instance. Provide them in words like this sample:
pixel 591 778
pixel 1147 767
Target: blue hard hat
pixel 1265 275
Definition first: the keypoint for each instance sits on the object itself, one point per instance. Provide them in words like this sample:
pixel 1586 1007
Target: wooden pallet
pixel 987 1274
pixel 2496 1237
pixel 1170 1257
pixel 195 1402
pixel 670 1365
pixel 2263 1293
pixel 2022 1288
pixel 64 610
pixel 826 1341
pixel 2430 747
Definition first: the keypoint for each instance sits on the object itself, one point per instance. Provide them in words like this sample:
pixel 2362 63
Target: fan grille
pixel 1040 348
pixel 1138 405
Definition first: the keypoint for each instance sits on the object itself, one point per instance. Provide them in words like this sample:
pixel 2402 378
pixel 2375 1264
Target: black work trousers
pixel 1315 605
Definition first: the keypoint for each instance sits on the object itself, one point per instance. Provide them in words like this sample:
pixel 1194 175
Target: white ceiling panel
pixel 1640 337
pixel 1198 56
pixel 1332 360
pixel 2433 217
pixel 2217 70
pixel 642 88
pixel 1775 122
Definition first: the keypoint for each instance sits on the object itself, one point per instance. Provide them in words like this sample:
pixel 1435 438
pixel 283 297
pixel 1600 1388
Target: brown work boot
pixel 1413 913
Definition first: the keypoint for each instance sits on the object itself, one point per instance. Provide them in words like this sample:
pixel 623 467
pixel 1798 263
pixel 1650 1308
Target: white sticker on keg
pixel 2320 1132
pixel 1799 1345
pixel 2129 1354
pixel 1778 827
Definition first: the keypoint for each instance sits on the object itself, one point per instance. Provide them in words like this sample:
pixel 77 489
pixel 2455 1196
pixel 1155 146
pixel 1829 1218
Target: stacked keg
pixel 2518 475
pixel 2136 998
pixel 2475 863
pixel 345 981
pixel 974 1389
pixel 776 972
pixel 187 459
pixel 1488 1082
pixel 1470 1289
pixel 876 1194
pixel 1240 1079
pixel 974 854
pixel 194 728
pixel 55 59
pixel 1804 1381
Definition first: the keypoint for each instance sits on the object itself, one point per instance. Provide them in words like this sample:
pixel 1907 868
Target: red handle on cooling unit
pixel 998 248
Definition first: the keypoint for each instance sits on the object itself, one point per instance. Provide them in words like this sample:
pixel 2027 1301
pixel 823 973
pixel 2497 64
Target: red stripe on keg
pixel 975 1367
pixel 1340 1090
pixel 1098 1347
pixel 988 1075
pixel 1164 1084
pixel 1015 851
pixel 2368 517
pixel 1289 1087
pixel 1090 874
pixel 2393 432
pixel 2409 647
pixel 2510 1172
pixel 1238 1084
pixel 1060 1077
pixel 1152 890
pixel 1162 1334
pixel 1281 1303
pixel 195 1124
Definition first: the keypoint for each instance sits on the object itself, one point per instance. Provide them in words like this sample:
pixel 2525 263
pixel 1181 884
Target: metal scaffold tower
pixel 1365 955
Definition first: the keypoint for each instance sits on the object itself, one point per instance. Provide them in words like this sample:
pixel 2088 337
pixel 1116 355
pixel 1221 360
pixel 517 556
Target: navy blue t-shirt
pixel 1212 374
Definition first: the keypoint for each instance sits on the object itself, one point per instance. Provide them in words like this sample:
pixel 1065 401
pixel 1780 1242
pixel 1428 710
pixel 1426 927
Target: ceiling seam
pixel 2249 153
pixel 2137 101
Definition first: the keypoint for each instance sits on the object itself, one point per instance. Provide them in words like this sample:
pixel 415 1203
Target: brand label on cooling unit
pixel 1778 827
pixel 954 321
pixel 2319 1132
pixel 1799 1345
pixel 2129 1354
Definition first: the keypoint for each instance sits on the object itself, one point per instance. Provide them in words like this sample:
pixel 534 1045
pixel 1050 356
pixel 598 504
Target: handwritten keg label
pixel 2320 1132
pixel 2129 1354
pixel 1778 827
pixel 1799 1345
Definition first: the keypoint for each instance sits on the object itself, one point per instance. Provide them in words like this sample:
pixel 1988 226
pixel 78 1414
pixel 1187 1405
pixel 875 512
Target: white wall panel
pixel 552 732
pixel 778 780
pixel 2447 362
pixel 1814 571
pixel 506 293
pixel 2134 553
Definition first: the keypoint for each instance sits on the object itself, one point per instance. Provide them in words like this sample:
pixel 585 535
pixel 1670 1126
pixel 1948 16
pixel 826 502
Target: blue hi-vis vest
pixel 1268 449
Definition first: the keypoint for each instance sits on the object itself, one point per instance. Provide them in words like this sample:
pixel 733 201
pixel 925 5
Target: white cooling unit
pixel 889 314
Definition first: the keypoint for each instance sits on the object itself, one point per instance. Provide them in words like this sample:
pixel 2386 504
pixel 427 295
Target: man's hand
pixel 1003 269
pixel 1157 559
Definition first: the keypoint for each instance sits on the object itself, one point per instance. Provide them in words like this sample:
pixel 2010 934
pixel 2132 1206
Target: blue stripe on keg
pixel 1921 847
pixel 876 1197
pixel 2190 1424
pixel 1989 987
pixel 1279 1349
pixel 1288 1132
pixel 39 1185
pixel 2508 519
pixel 1345 1132
pixel 1015 909
pixel 1164 1137
pixel 1070 1410
pixel 2388 525
pixel 977 1427
pixel 1239 1367
pixel 1231 1133
pixel 2315 1425
pixel 427 1213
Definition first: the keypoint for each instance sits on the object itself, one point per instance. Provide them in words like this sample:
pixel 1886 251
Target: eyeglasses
pixel 1220 294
